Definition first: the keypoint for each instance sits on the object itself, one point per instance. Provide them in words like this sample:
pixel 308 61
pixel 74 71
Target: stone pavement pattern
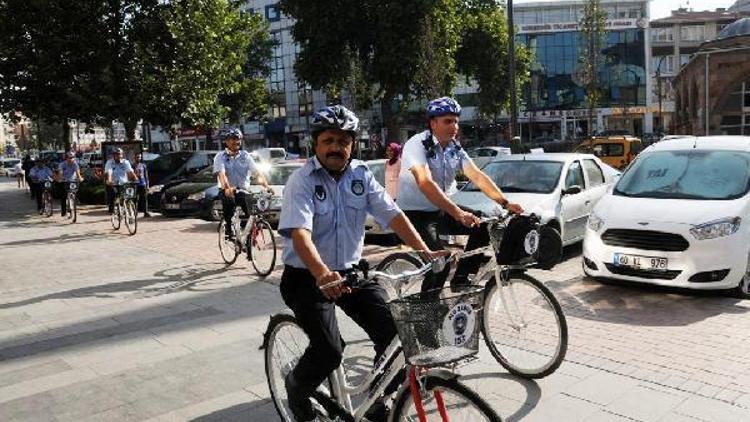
pixel 99 326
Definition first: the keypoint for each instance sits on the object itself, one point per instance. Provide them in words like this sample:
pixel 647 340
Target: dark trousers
pixel 62 193
pixel 110 193
pixel 228 204
pixel 142 200
pixel 431 225
pixel 317 316
pixel 36 192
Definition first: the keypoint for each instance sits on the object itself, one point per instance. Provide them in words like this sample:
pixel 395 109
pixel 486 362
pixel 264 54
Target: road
pixel 96 325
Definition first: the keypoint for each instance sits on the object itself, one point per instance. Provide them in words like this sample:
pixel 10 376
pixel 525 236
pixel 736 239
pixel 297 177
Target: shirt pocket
pixel 323 216
pixel 356 211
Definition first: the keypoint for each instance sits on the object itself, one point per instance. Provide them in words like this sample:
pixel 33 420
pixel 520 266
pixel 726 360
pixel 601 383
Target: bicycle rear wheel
pixel 524 326
pixel 261 247
pixel 461 404
pixel 131 217
pixel 227 246
pixel 397 263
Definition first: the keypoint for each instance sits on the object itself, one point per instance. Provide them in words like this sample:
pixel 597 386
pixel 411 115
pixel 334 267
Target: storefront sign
pixel 611 25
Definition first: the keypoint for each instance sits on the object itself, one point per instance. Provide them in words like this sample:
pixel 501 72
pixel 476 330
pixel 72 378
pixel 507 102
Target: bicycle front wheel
pixel 397 263
pixel 47 201
pixel 445 399
pixel 131 217
pixel 261 247
pixel 524 326
pixel 227 245
pixel 72 208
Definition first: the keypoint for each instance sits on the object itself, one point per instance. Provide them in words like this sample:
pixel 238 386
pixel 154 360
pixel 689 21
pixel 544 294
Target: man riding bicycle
pixel 234 168
pixel 323 220
pixel 39 174
pixel 117 172
pixel 67 171
pixel 429 163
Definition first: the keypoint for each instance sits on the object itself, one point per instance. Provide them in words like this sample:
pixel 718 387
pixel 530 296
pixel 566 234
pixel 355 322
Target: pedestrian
pixel 28 163
pixel 392 169
pixel 20 174
pixel 141 173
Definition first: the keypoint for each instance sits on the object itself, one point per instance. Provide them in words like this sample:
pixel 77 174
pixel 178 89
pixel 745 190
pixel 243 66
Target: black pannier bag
pixel 522 240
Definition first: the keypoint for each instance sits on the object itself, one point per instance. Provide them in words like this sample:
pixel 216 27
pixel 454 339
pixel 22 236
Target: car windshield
pixel 691 174
pixel 609 150
pixel 378 171
pixel 277 175
pixel 522 176
pixel 10 163
pixel 169 162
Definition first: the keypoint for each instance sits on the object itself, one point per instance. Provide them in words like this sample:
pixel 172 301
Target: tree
pixel 592 27
pixel 483 55
pixel 394 51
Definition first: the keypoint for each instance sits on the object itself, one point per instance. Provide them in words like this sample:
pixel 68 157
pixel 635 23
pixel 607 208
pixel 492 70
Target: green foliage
pixel 593 33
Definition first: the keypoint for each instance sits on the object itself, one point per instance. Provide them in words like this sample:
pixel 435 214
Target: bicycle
pixel 256 239
pixel 47 198
pixel 523 324
pixel 124 208
pixel 422 344
pixel 72 201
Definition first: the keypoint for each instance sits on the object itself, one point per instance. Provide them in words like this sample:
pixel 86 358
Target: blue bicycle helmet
pixel 334 117
pixel 230 132
pixel 442 106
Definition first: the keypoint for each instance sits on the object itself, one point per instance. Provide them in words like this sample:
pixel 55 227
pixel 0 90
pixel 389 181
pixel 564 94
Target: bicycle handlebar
pixel 352 278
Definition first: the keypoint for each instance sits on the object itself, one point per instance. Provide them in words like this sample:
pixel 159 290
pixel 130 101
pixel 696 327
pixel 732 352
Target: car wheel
pixel 742 290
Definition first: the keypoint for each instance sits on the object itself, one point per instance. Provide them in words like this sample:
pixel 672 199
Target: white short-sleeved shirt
pixel 238 168
pixel 443 165
pixel 119 170
pixel 333 211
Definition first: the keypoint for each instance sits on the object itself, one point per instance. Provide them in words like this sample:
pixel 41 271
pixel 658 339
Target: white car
pixel 377 167
pixel 483 155
pixel 277 176
pixel 678 217
pixel 7 166
pixel 561 188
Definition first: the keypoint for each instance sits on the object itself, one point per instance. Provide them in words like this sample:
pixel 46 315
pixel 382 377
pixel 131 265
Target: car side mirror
pixel 575 189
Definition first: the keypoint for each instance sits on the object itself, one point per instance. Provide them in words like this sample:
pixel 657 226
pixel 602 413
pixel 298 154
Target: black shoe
pixel 300 405
pixel 378 412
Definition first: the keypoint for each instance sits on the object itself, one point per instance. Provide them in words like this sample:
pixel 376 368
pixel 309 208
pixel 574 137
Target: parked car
pixel 678 217
pixel 377 167
pixel 561 188
pixel 483 155
pixel 172 168
pixel 271 155
pixel 617 151
pixel 198 195
pixel 7 166
pixel 277 177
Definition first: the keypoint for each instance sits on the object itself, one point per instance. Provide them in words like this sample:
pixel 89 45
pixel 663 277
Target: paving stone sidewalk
pixel 96 325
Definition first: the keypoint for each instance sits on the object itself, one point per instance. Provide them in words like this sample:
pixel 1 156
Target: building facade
pixel 712 91
pixel 555 99
pixel 674 42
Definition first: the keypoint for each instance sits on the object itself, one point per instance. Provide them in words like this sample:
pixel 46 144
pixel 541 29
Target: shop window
pixel 272 13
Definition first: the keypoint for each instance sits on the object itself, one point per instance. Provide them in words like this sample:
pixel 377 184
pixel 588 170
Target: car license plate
pixel 640 262
pixel 172 206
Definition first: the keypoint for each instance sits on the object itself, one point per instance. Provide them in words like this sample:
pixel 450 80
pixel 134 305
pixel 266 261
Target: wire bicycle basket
pixel 439 326
pixel 257 203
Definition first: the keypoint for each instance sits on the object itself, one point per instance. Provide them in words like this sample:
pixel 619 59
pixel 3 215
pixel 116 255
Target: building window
pixel 305 99
pixel 634 13
pixel 693 33
pixel 665 64
pixel 272 13
pixel 684 59
pixel 662 34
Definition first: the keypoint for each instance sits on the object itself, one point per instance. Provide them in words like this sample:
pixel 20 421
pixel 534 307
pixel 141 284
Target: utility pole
pixel 512 70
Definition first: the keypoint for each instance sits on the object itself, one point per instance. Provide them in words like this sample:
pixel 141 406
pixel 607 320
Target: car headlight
pixel 155 189
pixel 595 223
pixel 716 228
pixel 197 196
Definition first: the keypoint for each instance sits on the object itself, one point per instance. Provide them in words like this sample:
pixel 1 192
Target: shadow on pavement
pixel 533 392
pixel 640 304
pixel 241 413
pixel 202 227
pixel 56 240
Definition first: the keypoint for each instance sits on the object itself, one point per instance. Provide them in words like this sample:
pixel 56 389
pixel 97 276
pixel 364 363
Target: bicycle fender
pixel 443 373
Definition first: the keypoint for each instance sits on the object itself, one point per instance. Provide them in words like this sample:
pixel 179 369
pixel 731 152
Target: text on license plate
pixel 637 261
pixel 172 206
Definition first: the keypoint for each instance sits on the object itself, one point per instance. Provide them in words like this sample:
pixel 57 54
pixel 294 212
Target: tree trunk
pixel 129 130
pixel 66 134
pixel 391 120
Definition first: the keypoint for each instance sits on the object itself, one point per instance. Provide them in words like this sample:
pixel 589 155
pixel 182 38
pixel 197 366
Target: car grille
pixel 175 197
pixel 645 239
pixel 650 274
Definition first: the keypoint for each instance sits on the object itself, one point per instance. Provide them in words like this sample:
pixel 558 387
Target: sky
pixel 663 8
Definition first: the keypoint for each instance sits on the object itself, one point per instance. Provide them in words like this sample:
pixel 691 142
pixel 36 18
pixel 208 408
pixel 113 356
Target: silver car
pixel 561 188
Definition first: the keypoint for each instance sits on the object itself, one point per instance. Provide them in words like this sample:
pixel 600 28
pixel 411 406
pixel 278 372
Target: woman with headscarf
pixel 392 168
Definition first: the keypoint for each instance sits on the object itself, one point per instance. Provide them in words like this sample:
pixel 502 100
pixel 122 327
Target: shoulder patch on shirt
pixel 320 193
pixel 358 187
